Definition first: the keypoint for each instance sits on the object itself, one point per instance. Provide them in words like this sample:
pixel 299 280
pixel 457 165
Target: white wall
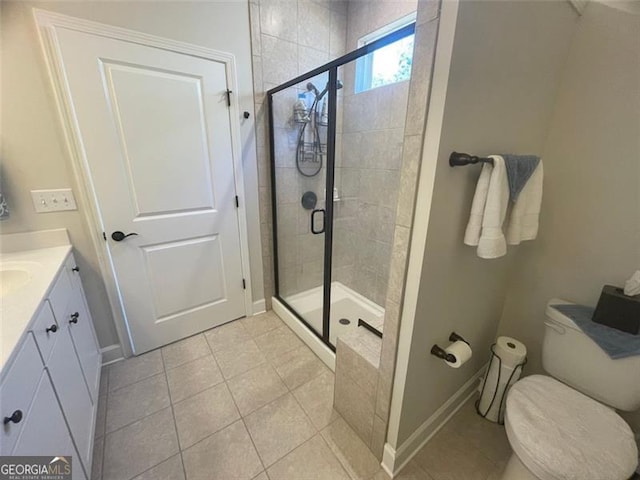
pixel 505 71
pixel 590 222
pixel 33 150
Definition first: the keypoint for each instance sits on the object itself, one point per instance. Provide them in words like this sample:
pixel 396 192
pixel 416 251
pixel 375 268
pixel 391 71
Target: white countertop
pixel 18 308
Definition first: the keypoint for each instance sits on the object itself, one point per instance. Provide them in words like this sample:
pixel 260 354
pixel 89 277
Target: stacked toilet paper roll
pixel 507 360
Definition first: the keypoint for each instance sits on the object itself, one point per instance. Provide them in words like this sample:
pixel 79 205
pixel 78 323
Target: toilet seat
pixel 560 434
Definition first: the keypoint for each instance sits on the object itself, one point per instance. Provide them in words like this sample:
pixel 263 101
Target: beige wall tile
pixel 354 404
pixel 313 25
pixel 279 18
pixel 378 436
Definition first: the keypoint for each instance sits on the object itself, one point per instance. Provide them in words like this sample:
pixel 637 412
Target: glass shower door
pixel 300 166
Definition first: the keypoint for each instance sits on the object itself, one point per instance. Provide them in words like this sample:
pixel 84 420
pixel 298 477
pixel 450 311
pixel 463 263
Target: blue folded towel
pixel 616 343
pixel 519 170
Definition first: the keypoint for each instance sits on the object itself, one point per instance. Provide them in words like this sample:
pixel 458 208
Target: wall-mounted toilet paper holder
pixel 440 352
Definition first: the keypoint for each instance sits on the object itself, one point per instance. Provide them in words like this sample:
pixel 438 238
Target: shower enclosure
pixel 336 150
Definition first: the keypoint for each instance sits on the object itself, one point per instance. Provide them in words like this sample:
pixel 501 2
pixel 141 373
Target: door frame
pixel 46 25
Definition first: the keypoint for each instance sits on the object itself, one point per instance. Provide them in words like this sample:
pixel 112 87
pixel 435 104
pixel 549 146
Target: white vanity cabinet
pixel 52 382
pixel 82 333
pixel 45 430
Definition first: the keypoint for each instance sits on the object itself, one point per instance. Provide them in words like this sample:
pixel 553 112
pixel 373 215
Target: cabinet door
pixel 72 391
pixel 19 383
pixel 81 328
pixel 83 333
pixel 45 432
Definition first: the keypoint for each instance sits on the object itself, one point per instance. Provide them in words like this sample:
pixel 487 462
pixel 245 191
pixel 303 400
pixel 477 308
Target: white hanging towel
pixel 525 214
pixel 488 211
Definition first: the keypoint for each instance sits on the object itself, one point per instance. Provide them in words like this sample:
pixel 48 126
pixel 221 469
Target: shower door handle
pixel 313 217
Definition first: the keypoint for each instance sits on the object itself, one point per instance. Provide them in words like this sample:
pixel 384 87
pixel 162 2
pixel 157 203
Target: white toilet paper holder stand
pixel 440 352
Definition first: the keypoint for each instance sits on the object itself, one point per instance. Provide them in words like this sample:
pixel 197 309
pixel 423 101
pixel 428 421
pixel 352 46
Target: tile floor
pixel 248 400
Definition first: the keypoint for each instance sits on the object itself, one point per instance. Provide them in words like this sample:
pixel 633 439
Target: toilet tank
pixel 569 355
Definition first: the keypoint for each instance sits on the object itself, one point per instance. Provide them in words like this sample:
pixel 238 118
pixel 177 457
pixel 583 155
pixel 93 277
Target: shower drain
pixel 344 321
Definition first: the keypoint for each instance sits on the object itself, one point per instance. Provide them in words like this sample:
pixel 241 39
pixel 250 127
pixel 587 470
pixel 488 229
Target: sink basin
pixel 14 277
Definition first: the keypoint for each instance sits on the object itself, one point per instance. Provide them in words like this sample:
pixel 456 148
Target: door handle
pixel 118 236
pixel 313 216
pixel 74 318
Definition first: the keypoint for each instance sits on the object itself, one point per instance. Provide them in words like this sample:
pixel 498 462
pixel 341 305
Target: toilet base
pixel 516 470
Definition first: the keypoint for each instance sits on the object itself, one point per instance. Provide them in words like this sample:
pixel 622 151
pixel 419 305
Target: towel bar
pixel 457 159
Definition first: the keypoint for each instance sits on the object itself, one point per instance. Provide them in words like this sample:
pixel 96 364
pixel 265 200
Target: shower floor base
pixel 346 305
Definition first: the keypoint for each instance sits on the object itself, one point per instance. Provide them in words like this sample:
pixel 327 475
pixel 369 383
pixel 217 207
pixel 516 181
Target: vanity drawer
pixel 45 330
pixel 60 294
pixel 17 390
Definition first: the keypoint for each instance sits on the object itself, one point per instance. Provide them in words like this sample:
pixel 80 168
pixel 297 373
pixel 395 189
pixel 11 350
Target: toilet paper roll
pixel 461 350
pixel 511 351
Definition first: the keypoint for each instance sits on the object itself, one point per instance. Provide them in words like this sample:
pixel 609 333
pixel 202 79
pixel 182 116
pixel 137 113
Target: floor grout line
pixel 173 415
pixel 268 361
pixel 164 371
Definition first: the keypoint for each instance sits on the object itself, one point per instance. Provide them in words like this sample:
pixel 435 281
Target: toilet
pixel 564 426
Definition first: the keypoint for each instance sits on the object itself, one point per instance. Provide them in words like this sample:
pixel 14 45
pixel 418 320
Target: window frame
pixel 364 65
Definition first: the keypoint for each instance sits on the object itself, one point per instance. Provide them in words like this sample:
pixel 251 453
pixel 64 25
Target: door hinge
pixel 237 202
pixel 104 235
pixel 229 92
pixel 244 284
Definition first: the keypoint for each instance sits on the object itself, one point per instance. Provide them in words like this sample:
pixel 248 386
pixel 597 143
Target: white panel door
pixel 156 130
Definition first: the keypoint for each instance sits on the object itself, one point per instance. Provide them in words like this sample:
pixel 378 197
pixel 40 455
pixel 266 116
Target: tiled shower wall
pixel 419 87
pixel 368 171
pixel 290 37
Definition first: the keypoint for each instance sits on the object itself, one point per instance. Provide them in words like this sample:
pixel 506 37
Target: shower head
pixel 312 88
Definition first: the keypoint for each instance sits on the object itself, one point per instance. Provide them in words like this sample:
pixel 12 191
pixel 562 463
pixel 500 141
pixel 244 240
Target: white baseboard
pixel 259 306
pixel 314 343
pixel 111 354
pixel 394 460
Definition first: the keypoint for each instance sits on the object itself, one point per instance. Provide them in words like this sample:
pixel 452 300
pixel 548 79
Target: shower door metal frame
pixel 332 69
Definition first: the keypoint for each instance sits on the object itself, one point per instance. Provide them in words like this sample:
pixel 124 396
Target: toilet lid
pixel 561 434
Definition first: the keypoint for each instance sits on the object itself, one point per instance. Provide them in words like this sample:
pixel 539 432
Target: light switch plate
pixel 58 200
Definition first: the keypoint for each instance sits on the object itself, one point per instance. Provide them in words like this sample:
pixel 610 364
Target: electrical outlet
pixel 45 201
